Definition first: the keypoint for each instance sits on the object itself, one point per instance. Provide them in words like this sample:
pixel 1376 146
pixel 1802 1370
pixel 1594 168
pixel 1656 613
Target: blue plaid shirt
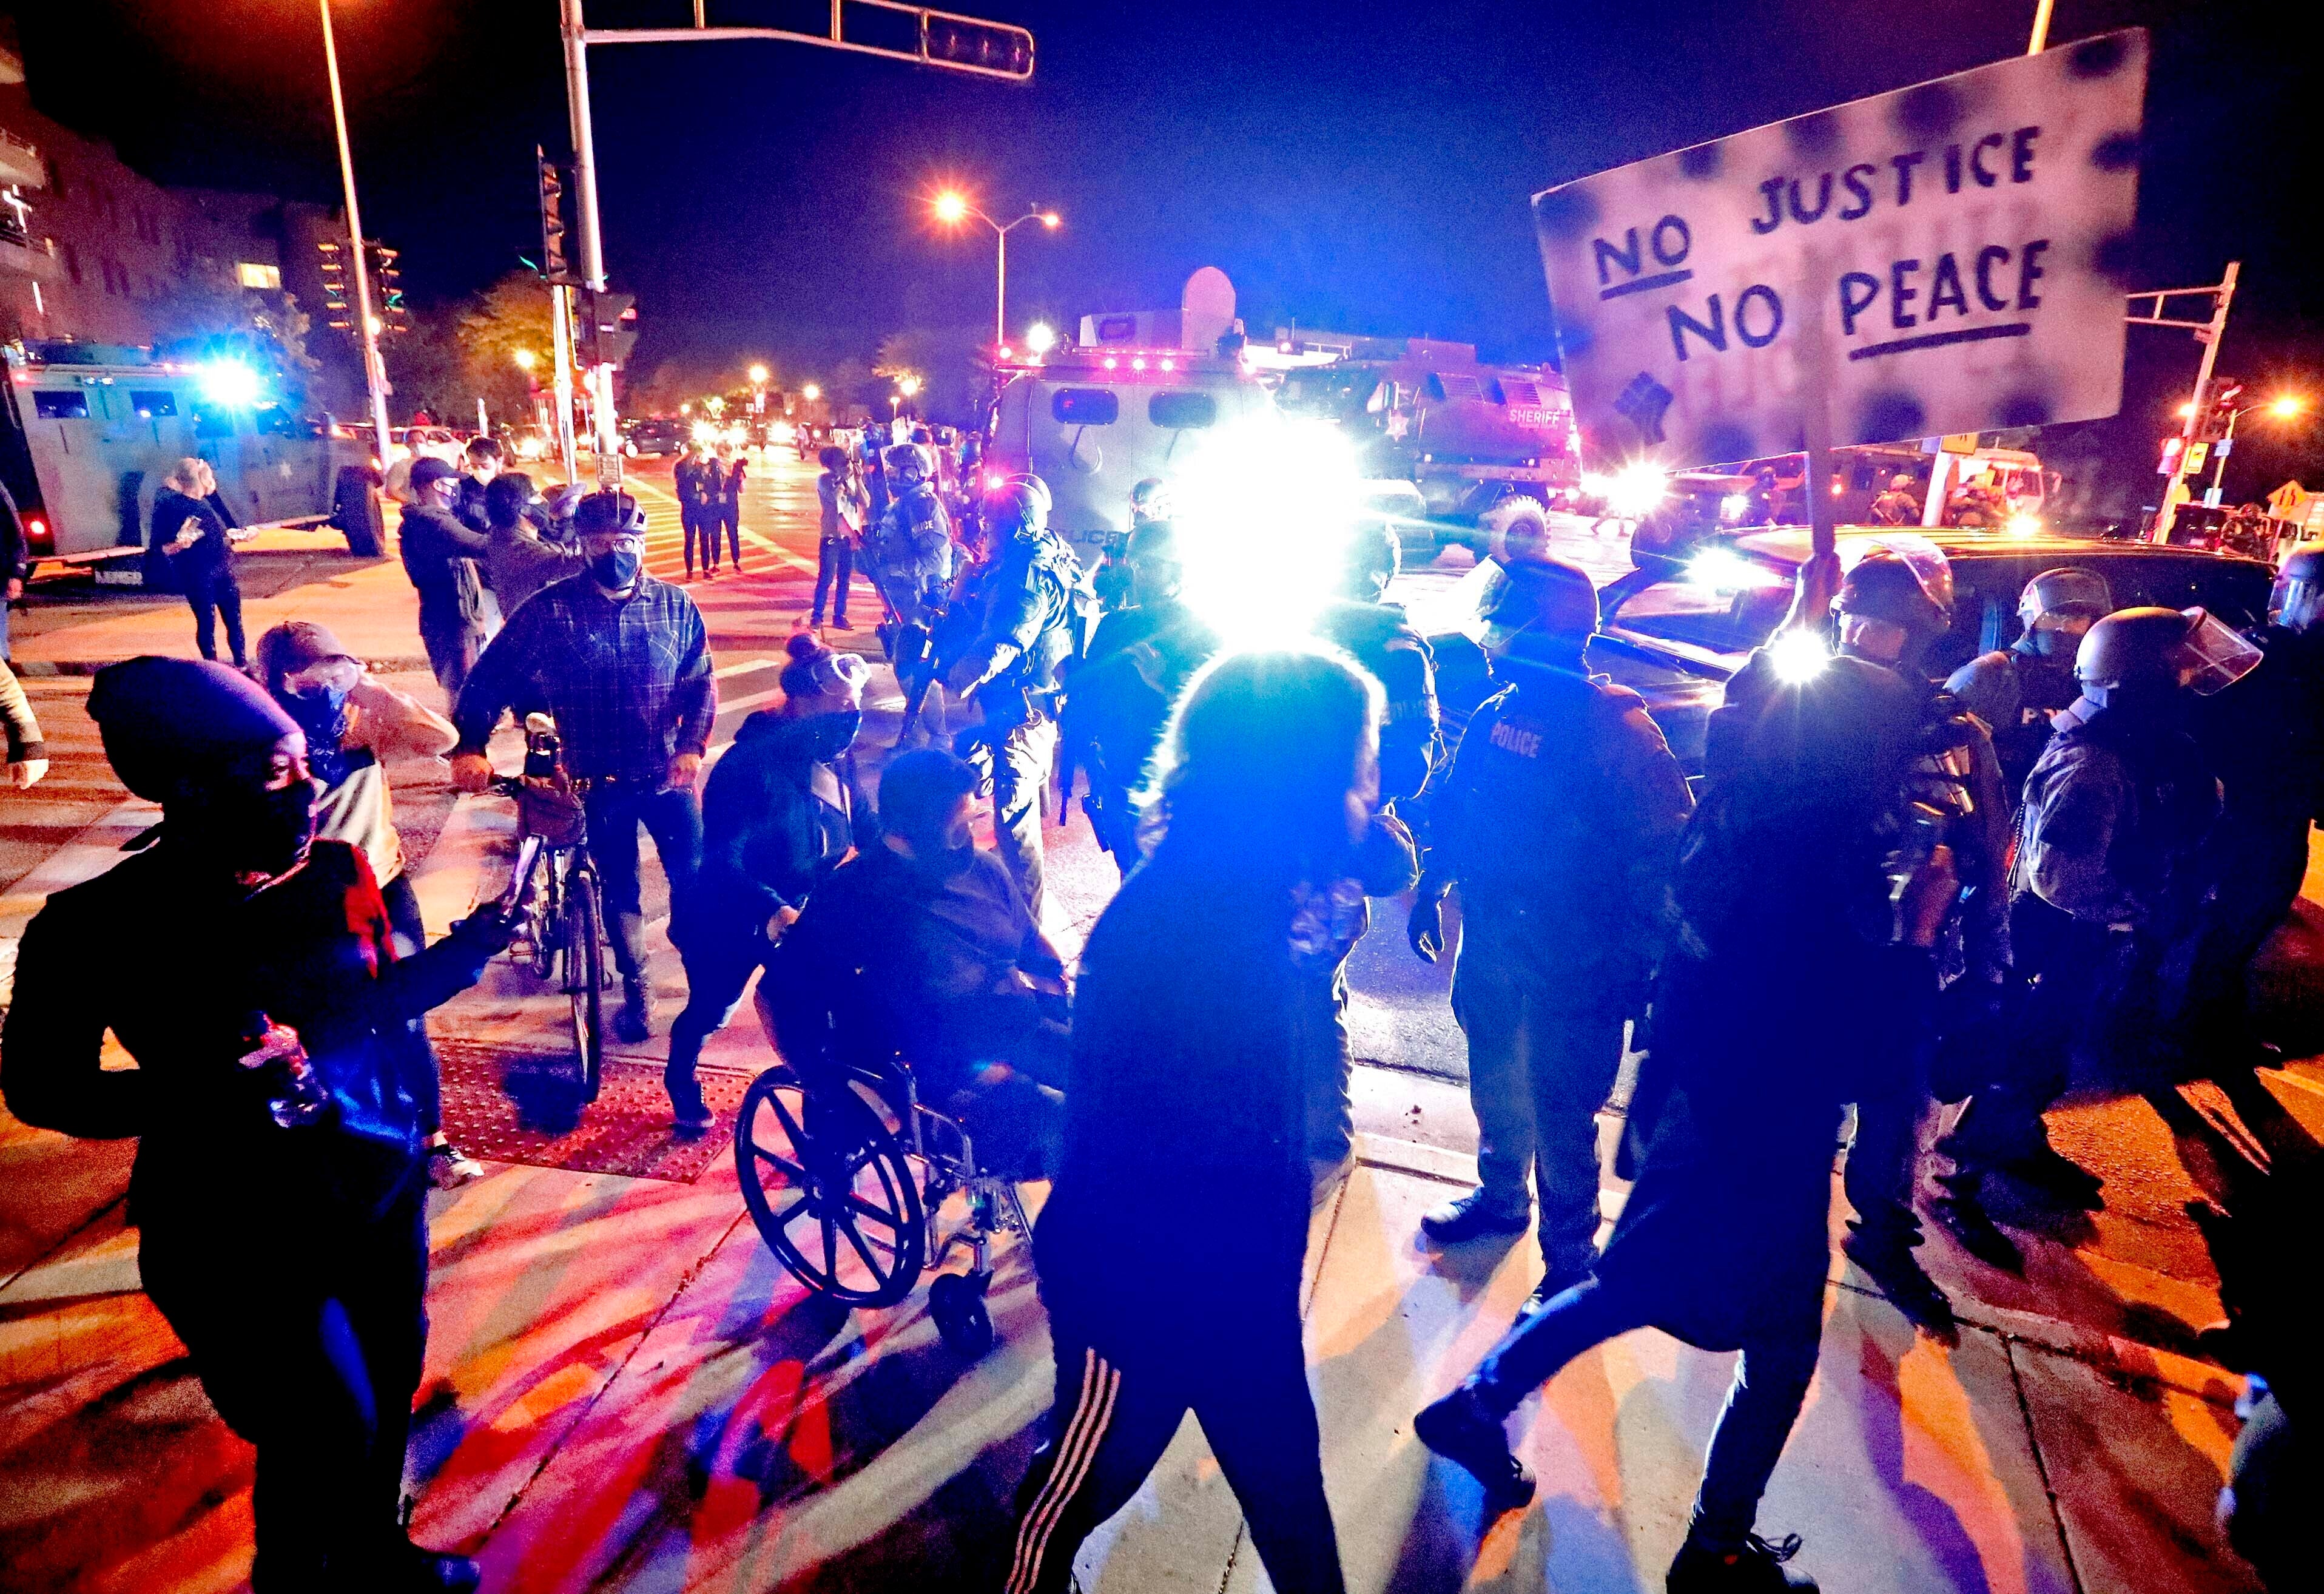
pixel 628 679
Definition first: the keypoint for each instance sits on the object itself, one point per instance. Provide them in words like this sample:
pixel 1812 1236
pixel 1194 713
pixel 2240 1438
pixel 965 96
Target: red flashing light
pixel 1007 353
pixel 36 529
pixel 994 478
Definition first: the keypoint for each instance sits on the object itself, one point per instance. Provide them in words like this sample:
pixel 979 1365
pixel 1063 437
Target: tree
pixel 425 368
pixel 510 318
pixel 945 360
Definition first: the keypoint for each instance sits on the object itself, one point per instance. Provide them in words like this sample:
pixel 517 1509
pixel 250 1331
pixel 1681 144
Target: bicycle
pixel 560 913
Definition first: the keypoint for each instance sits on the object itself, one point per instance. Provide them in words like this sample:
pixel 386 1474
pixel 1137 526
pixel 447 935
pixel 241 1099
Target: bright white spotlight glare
pixel 1798 657
pixel 2024 523
pixel 705 433
pixel 1722 569
pixel 1263 510
pixel 230 384
pixel 1039 338
pixel 1632 491
pixel 1734 506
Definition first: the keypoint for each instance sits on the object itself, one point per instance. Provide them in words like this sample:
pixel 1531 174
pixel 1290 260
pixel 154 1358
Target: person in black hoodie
pixel 780 811
pixel 194 536
pixel 1205 999
pixel 278 1186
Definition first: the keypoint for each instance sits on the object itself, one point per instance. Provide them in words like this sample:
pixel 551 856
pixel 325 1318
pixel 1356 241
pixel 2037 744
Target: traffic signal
pixel 552 219
pixel 387 282
pixel 978 46
pixel 2174 448
pixel 2219 410
pixel 609 328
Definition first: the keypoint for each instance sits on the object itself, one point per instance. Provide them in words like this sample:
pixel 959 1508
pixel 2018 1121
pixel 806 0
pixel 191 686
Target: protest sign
pixel 1940 259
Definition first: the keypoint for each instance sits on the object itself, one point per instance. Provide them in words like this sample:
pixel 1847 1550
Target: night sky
pixel 1358 166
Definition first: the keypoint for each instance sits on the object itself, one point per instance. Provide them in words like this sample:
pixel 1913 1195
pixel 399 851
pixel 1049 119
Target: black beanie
pixel 163 719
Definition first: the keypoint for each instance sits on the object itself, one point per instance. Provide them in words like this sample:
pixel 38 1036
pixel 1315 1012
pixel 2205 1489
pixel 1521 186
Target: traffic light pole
pixel 560 334
pixel 375 373
pixel 945 40
pixel 2209 331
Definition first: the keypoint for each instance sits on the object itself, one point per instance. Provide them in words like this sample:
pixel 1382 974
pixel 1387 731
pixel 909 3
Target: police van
pixel 88 431
pixel 1094 422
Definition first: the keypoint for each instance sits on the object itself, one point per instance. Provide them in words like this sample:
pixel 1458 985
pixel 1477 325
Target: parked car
pixel 1674 633
pixel 654 437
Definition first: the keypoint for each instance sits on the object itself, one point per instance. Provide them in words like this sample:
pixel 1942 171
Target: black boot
pixel 634 1022
pixel 1890 1264
pixel 1962 1215
pixel 1472 1216
pixel 691 1114
pixel 404 1568
pixel 1753 1567
pixel 1460 1430
pixel 1554 1283
pixel 2057 1178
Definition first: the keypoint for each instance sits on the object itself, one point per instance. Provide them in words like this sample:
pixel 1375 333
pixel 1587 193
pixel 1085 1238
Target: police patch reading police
pixel 1940 259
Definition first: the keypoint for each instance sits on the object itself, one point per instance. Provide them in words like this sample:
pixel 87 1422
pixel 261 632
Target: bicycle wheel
pixel 830 1190
pixel 585 976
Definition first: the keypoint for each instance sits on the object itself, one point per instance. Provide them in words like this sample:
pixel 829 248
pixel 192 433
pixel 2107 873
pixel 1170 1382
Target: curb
pixel 30 669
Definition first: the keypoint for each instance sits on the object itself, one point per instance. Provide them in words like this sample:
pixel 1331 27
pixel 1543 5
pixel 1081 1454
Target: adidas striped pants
pixel 1110 1425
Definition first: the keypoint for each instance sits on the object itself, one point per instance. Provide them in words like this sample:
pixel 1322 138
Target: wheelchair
pixel 846 1171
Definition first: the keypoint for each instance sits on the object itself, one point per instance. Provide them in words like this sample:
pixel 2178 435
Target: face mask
pixel 258 833
pixel 614 568
pixel 322 713
pixel 832 735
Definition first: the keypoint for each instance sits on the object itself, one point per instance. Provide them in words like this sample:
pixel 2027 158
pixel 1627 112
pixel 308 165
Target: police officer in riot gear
pixel 1894 605
pixel 1559 819
pixel 2266 740
pixel 1896 506
pixel 1026 621
pixel 1139 659
pixel 912 558
pixel 2106 892
pixel 2015 690
pixel 1375 633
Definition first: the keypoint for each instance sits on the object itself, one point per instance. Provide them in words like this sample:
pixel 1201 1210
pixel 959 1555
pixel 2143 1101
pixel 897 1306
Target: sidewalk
pixel 625 1392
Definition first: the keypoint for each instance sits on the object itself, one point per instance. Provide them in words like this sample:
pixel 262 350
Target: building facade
pixel 94 252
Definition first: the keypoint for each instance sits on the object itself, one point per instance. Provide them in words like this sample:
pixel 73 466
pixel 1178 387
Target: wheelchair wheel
pixel 956 1303
pixel 829 1187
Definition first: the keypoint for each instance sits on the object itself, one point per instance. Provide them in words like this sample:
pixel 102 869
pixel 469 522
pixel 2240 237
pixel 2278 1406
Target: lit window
pixel 251 275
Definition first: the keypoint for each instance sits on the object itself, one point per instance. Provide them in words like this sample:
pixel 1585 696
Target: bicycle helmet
pixel 609 513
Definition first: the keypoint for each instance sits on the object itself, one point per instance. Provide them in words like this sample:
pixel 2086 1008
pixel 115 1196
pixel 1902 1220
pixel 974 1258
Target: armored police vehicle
pixel 88 431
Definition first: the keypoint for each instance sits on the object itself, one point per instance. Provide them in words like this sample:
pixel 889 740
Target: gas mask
pixel 831 734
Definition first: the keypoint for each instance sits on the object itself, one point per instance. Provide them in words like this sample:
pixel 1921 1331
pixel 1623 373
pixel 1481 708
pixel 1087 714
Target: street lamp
pixel 526 359
pixel 759 374
pixel 2282 407
pixel 811 392
pixel 950 206
pixel 375 373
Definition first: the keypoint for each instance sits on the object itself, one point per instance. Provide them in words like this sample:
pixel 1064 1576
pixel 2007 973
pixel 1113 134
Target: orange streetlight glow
pixel 2286 407
pixel 950 206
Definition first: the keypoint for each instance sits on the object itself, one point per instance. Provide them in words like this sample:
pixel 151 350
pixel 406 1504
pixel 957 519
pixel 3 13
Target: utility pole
pixel 600 377
pixel 2041 27
pixel 2208 332
pixel 375 373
